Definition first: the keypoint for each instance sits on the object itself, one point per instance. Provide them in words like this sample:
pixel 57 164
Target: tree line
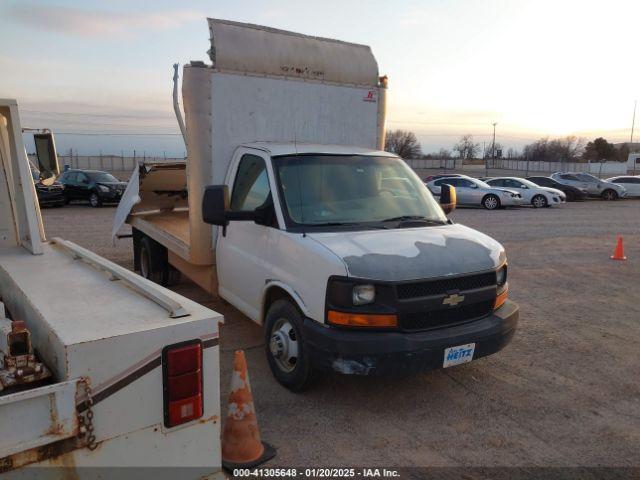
pixel 566 149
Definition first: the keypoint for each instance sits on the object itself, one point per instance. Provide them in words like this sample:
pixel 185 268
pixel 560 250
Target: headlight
pixel 103 188
pixel 501 276
pixel 363 294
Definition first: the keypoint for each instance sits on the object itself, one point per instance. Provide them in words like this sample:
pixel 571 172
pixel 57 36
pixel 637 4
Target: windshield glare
pixel 481 183
pixel 324 189
pixel 526 182
pixel 102 177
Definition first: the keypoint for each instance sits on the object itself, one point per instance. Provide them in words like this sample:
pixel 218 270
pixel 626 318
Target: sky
pixel 92 70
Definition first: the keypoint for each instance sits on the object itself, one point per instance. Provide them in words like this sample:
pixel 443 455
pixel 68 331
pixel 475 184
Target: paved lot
pixel 565 392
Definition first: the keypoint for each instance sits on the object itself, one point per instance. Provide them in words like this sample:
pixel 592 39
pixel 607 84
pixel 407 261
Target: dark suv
pixel 93 185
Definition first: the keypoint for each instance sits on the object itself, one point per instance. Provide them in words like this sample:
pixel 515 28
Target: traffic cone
pixel 241 443
pixel 618 253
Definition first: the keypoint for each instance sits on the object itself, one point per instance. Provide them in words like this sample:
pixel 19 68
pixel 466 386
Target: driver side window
pixel 251 186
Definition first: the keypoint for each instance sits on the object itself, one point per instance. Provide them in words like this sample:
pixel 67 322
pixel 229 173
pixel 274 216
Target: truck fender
pixel 271 284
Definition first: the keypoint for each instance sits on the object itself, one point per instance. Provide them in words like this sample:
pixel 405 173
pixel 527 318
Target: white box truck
pixel 99 368
pixel 332 244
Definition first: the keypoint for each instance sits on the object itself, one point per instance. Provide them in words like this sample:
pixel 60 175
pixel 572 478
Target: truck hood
pixel 413 253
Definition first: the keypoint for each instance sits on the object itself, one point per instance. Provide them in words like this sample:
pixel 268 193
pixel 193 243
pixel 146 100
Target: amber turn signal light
pixel 501 298
pixel 361 319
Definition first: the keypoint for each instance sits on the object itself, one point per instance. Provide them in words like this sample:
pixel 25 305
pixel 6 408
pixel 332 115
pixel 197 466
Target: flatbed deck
pixel 170 228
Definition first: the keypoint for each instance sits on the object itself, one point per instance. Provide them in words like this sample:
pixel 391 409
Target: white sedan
pixel 471 191
pixel 629 182
pixel 532 194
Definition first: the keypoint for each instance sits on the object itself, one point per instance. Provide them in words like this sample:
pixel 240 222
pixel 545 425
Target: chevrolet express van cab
pixel 288 208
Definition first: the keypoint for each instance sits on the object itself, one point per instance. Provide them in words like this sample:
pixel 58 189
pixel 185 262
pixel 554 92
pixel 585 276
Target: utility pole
pixel 493 151
pixel 633 123
pixel 493 145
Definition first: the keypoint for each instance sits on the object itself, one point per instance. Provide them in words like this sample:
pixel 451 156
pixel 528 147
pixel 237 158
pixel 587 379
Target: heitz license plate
pixel 458 355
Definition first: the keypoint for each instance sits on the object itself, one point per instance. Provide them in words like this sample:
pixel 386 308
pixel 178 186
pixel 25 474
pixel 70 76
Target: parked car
pixel 92 185
pixel 444 175
pixel 471 191
pixel 531 193
pixel 50 192
pixel 592 185
pixel 629 182
pixel 573 194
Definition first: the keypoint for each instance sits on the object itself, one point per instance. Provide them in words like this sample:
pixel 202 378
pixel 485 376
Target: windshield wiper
pixel 345 224
pixel 414 218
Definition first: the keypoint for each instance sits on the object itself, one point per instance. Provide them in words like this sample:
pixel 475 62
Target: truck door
pixel 241 254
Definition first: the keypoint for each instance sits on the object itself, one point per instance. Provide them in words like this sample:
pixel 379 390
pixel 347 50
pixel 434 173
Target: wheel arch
pixel 276 290
pixel 490 194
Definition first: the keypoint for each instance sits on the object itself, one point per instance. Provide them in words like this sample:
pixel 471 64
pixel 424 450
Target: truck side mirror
pixel 215 205
pixel 215 209
pixel 46 153
pixel 447 199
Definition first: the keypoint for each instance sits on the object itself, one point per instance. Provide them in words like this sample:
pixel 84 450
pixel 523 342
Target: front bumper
pixel 54 197
pixel 399 353
pixel 112 196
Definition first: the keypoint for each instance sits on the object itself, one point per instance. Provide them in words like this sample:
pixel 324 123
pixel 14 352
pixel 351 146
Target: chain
pixel 86 419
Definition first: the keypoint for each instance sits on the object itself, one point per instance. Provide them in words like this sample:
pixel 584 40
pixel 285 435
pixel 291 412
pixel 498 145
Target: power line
pixel 111 134
pixel 109 115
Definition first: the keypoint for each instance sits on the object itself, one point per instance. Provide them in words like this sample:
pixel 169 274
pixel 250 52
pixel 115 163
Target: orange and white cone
pixel 241 443
pixel 618 253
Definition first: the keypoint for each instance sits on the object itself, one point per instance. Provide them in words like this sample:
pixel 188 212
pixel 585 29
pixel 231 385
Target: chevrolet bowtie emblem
pixel 453 300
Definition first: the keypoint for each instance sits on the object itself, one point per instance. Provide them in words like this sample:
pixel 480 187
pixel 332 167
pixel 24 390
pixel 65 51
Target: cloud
pixel 94 23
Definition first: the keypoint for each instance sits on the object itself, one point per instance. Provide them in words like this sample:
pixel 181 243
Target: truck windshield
pixel 333 190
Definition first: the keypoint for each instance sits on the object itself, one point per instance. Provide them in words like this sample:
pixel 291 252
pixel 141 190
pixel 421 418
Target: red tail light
pixel 182 382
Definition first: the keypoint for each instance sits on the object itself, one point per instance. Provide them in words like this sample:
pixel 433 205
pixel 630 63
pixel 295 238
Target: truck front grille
pixel 427 288
pixel 445 317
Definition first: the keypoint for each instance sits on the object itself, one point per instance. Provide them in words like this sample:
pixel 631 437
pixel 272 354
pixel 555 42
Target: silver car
pixel 592 185
pixel 471 191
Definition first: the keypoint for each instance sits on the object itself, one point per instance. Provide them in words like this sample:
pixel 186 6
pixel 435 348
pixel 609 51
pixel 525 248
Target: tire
pixel 609 194
pixel 94 200
pixel 539 201
pixel 283 331
pixel 172 276
pixel 491 202
pixel 67 200
pixel 152 266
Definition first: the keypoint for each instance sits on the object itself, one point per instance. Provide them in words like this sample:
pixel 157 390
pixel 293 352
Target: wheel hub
pixel 283 345
pixel 277 345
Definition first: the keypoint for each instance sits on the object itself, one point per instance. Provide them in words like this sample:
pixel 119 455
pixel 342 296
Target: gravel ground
pixel 565 392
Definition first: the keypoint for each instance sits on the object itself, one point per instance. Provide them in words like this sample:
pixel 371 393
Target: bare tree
pixel 493 150
pixel 567 149
pixel 444 153
pixel 403 143
pixel 513 153
pixel 466 147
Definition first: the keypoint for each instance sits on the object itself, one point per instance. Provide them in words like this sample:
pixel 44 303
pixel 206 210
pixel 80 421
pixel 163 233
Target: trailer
pixel 110 371
pixel 288 208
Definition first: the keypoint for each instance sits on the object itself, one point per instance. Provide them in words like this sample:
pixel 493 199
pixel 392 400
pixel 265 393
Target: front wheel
pixel 94 200
pixel 539 201
pixel 286 353
pixel 491 202
pixel 609 195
